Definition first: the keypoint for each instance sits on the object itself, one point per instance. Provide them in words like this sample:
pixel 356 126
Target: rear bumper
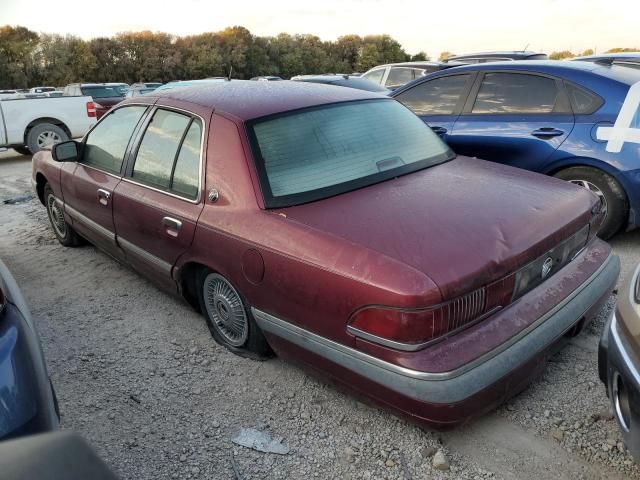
pixel 27 403
pixel 447 398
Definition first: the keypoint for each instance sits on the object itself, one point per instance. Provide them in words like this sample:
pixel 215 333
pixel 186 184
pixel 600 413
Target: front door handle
pixel 172 226
pixel 439 130
pixel 104 196
pixel 547 132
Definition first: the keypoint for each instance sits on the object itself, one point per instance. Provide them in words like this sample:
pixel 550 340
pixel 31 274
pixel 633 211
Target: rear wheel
pixel 228 317
pixel 65 234
pixel 613 198
pixel 45 135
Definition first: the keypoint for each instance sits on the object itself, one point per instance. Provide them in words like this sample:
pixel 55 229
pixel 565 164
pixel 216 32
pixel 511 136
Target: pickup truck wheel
pixel 613 197
pixel 64 232
pixel 228 318
pixel 45 135
pixel 22 150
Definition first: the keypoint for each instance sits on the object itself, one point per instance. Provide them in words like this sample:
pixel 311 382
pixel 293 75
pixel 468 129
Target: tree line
pixel 566 54
pixel 28 58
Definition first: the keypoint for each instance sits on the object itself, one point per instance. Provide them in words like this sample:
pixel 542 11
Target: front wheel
pixel 65 234
pixel 228 317
pixel 613 197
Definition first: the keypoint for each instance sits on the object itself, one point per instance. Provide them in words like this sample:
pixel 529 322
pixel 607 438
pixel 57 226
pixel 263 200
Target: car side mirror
pixel 66 151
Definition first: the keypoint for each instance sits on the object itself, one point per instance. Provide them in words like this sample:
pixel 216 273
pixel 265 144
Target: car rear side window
pixel 399 76
pixel 186 174
pixel 106 144
pixel 582 101
pixel 170 146
pixel 435 97
pixel 374 75
pixel 513 93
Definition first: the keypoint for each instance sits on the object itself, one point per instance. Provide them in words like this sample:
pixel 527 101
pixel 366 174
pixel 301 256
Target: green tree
pixel 588 51
pixel 621 50
pixel 420 57
pixel 562 55
pixel 17 45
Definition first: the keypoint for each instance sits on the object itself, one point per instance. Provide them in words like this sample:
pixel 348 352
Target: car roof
pixel 559 67
pixel 498 53
pixel 343 81
pixel 418 64
pixel 621 55
pixel 247 100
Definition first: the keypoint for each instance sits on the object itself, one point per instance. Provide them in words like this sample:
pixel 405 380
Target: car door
pixel 438 101
pixel 160 199
pixel 516 118
pixel 88 185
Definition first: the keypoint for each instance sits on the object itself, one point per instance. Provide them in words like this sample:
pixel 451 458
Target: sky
pixel 456 26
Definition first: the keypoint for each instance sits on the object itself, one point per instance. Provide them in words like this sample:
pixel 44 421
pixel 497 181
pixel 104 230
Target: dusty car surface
pixel 334 227
pixel 619 362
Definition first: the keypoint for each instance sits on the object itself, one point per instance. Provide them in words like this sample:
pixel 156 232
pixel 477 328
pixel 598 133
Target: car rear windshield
pixel 102 92
pixel 310 154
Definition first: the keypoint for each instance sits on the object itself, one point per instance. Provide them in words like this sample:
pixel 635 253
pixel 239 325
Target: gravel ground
pixel 139 376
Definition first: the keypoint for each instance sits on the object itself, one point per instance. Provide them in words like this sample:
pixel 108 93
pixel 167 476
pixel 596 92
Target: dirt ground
pixel 138 375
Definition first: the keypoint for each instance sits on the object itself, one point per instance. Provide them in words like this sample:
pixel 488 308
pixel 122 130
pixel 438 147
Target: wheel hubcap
pixel 48 139
pixel 591 187
pixel 225 309
pixel 56 216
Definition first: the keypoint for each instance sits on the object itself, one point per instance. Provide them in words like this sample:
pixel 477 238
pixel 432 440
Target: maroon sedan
pixel 334 227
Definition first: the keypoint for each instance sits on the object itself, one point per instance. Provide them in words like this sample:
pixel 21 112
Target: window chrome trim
pixel 87 222
pixel 129 179
pixel 141 254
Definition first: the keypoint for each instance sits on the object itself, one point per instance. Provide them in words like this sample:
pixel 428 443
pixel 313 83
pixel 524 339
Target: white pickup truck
pixel 31 124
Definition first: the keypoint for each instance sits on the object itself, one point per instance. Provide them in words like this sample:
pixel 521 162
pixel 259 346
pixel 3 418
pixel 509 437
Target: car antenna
pixel 230 73
pixel 525 48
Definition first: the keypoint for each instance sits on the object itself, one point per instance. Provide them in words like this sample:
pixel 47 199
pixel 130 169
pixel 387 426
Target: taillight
pixel 91 109
pixel 412 329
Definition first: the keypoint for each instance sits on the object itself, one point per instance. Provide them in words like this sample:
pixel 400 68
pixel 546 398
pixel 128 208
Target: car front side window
pixel 106 144
pixel 435 97
pixel 399 76
pixel 374 76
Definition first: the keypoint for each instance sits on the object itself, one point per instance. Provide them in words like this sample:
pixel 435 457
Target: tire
pixel 45 135
pixel 220 304
pixel 22 150
pixel 65 234
pixel 608 189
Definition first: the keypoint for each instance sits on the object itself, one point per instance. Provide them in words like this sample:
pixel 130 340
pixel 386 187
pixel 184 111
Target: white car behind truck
pixel 30 124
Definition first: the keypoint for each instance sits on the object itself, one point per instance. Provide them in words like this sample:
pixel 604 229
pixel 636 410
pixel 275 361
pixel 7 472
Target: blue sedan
pixel 578 121
pixel 27 400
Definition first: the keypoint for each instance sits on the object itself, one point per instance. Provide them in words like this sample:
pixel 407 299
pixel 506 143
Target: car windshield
pixel 315 153
pixel 103 91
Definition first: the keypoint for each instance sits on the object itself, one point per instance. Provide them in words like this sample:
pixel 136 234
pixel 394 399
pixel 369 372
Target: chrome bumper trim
pixel 456 385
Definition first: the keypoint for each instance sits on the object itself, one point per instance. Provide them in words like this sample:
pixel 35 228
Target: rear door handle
pixel 439 130
pixel 172 226
pixel 547 132
pixel 104 196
